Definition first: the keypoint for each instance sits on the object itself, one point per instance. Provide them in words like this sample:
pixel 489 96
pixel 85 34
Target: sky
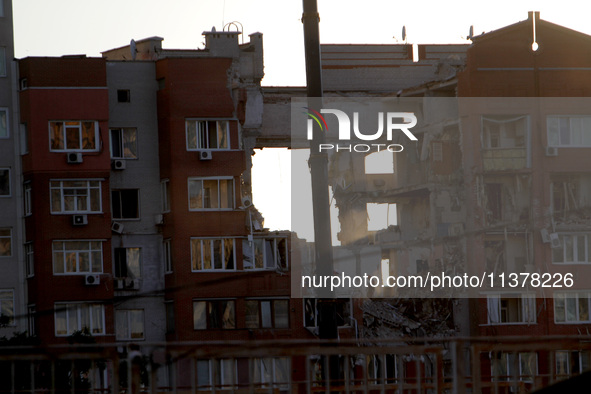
pixel 66 27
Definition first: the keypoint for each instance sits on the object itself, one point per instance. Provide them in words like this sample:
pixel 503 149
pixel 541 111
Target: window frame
pixel 97 140
pixel 121 141
pixel 564 295
pixel 216 303
pixel 574 246
pixel 128 318
pixel 3 50
pixel 10 243
pixel 260 381
pixel 65 251
pixel 203 197
pixel 88 188
pixel 507 357
pixel 167 255
pixel 549 139
pixel 63 306
pixel 28 198
pixel 526 300
pixel 260 324
pixel 202 261
pixel 29 254
pixel 9 172
pixel 165 195
pixel 199 146
pixel 119 200
pixel 11 301
pixel 117 269
pixel 7 116
pixel 316 312
pixel 250 245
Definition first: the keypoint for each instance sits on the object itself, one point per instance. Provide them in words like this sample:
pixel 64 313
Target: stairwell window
pixel 75 196
pixel 207 134
pixel 124 143
pixel 211 193
pixel 73 136
pixel 127 263
pixel 126 204
pixel 129 324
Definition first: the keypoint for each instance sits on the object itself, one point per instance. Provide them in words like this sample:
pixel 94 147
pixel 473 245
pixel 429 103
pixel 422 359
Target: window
pixel 511 308
pixel 503 365
pixel 124 143
pixel 214 314
pixel 5 242
pixel 170 326
pixel 265 253
pixel 70 318
pixel 28 202
pixel 566 194
pixel 271 372
pixel 212 254
pixel 165 194
pixel 77 257
pixel 267 313
pixel 211 193
pixel 377 364
pixel 573 249
pixel 3 118
pixel 125 203
pixel 76 196
pixel 504 131
pixel 24 138
pixel 2 60
pixel 167 253
pixel 572 307
pixel 29 259
pixel 129 324
pixel 6 307
pixel 216 373
pixel 569 131
pixel 32 320
pixel 343 308
pixel 127 263
pixel 123 96
pixel 73 136
pixel 207 134
pixel 572 362
pixel 4 182
pixel 1 8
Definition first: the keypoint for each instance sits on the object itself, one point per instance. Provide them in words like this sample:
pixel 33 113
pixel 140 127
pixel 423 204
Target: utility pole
pixel 327 325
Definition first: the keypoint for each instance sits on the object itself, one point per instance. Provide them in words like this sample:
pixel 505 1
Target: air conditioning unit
pixel 555 240
pixel 92 280
pixel 132 284
pixel 24 83
pixel 159 219
pixel 119 284
pixel 118 164
pixel 205 155
pixel 117 227
pixel 246 201
pixel 74 157
pixel 79 220
pixel 551 151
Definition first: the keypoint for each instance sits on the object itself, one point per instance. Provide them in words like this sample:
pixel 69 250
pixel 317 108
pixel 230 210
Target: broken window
pixel 573 248
pixel 381 216
pixel 494 252
pixel 212 254
pixel 504 309
pixel 214 314
pixel 571 307
pixel 127 263
pixel 569 194
pixel 267 313
pixel 73 136
pixel 379 163
pixel 207 134
pixel 124 143
pixel 504 131
pixel 4 182
pixel 343 310
pixel 125 203
pixel 211 193
pixel 265 253
pixel 569 131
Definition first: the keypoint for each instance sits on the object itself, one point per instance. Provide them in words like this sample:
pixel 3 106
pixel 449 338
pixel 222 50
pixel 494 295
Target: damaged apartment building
pixel 497 182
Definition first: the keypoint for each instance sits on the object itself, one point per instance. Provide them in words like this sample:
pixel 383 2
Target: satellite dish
pixel 133 49
pixel 471 33
pixel 403 33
